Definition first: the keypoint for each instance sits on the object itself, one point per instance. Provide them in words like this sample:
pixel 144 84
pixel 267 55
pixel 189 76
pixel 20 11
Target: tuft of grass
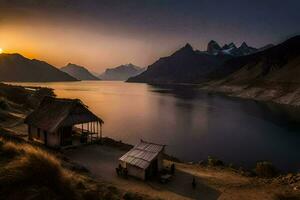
pixel 34 171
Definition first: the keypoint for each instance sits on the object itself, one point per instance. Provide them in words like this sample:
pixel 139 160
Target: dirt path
pixel 211 183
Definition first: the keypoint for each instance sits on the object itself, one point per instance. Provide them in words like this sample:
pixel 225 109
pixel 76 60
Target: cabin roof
pixel 142 154
pixel 53 113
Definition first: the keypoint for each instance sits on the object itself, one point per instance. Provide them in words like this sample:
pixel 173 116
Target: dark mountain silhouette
pixel 122 72
pixel 266 47
pixel 278 64
pixel 273 66
pixel 184 66
pixel 214 48
pixel 79 72
pixel 268 75
pixel 15 67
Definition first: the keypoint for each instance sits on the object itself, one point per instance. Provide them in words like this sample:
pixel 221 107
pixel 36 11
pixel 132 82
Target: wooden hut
pixel 56 122
pixel 144 160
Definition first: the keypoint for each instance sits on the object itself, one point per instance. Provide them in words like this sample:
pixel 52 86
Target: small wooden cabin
pixel 144 160
pixel 56 122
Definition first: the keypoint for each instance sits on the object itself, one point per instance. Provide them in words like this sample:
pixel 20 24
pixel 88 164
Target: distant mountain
pixel 269 67
pixel 271 74
pixel 184 66
pixel 15 67
pixel 214 48
pixel 122 72
pixel 79 72
pixel 278 64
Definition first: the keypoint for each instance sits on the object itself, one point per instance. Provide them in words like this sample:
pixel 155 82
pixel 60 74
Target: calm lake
pixel 193 123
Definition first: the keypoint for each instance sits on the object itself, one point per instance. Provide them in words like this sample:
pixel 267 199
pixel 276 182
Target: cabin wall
pixel 37 134
pixel 160 161
pixel 123 164
pixel 53 139
pixel 136 172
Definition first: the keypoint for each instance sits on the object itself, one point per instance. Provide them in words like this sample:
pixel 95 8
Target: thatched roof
pixel 142 154
pixel 54 113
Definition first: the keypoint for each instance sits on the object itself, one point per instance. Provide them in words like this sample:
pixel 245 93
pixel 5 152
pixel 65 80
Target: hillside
pixel 79 72
pixel 272 74
pixel 184 66
pixel 17 68
pixel 121 73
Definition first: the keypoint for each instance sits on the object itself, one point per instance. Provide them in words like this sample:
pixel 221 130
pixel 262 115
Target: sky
pixel 100 34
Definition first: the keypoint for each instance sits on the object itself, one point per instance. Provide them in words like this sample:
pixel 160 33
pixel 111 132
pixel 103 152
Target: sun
pixel 1 50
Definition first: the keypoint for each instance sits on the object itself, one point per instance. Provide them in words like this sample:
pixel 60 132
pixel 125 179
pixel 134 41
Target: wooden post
pixel 29 133
pixel 101 132
pixel 93 127
pixel 89 134
pixel 97 130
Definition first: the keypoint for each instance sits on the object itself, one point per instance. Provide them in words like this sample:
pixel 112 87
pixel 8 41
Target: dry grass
pixel 34 172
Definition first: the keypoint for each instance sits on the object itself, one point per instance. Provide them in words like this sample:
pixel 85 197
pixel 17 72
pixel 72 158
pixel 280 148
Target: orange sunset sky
pixel 105 33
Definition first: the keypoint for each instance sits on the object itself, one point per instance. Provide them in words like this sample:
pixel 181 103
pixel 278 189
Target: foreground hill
pixel 272 74
pixel 122 72
pixel 79 72
pixel 184 66
pixel 15 67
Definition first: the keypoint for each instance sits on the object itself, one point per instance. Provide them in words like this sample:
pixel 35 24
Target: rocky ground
pixel 279 95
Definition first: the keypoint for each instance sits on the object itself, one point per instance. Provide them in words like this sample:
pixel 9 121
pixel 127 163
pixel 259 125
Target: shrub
pixel 214 161
pixel 265 169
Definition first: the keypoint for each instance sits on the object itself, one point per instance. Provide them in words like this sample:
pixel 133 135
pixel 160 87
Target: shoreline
pixel 241 92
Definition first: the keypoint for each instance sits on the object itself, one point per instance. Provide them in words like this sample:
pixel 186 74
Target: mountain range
pixel 15 67
pixel 272 74
pixel 121 73
pixel 268 73
pixel 79 72
pixel 214 48
pixel 184 66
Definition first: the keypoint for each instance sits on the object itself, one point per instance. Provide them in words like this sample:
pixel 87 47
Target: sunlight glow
pixel 1 50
